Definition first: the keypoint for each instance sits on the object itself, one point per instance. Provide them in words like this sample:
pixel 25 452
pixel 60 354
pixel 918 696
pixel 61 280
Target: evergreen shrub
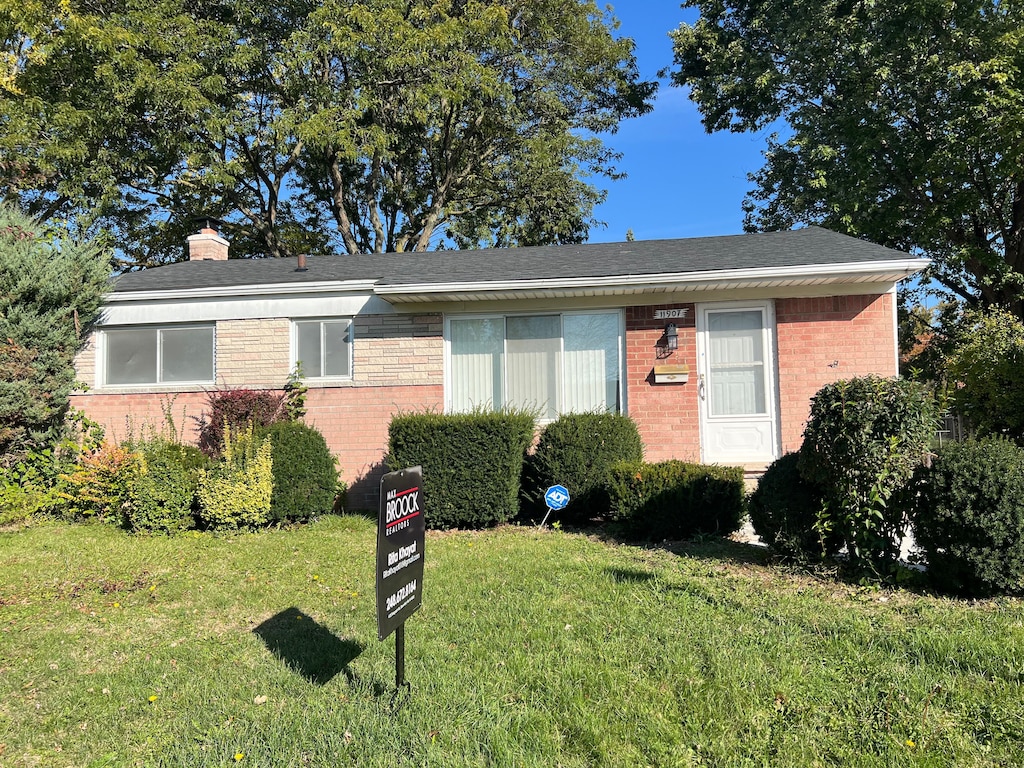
pixel 969 517
pixel 576 451
pixel 784 512
pixel 675 499
pixel 235 492
pixel 237 408
pixel 163 495
pixel 51 288
pixel 864 438
pixel 305 475
pixel 472 463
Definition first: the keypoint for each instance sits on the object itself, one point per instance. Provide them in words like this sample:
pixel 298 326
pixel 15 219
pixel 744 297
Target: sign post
pixel 556 497
pixel 400 535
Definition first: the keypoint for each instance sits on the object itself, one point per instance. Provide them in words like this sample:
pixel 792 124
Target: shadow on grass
pixel 308 648
pixel 629 575
pixel 703 547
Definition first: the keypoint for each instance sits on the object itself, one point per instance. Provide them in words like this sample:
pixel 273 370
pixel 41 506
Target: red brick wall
pixel 666 414
pixel 353 420
pixel 822 340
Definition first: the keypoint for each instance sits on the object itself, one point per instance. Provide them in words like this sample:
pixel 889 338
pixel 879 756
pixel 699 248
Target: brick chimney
pixel 208 245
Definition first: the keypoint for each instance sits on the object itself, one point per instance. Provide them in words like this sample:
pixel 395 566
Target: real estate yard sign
pixel 400 535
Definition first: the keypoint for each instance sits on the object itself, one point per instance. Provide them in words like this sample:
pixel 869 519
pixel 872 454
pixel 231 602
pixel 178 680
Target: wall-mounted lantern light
pixel 671 337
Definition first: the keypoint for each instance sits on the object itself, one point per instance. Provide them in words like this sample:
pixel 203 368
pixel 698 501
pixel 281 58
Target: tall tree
pixel 382 125
pixel 905 123
pixel 50 291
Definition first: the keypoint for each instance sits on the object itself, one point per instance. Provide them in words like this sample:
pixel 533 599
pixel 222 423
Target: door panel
pixel 738 419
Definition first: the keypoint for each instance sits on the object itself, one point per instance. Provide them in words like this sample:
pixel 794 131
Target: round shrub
pixel 577 451
pixel 969 517
pixel 864 438
pixel 163 495
pixel 784 510
pixel 305 477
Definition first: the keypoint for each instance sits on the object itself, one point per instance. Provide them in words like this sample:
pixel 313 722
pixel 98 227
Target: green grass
pixel 531 649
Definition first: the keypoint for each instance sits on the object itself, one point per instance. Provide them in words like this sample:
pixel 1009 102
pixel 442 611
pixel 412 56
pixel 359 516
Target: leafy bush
pixel 471 462
pixel 784 512
pixel 987 368
pixel 969 517
pixel 236 492
pixel 863 440
pixel 675 499
pixel 576 451
pixel 237 408
pixel 305 476
pixel 18 504
pixel 163 496
pixel 100 486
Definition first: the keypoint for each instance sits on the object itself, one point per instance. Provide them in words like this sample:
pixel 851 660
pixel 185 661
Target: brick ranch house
pixel 713 345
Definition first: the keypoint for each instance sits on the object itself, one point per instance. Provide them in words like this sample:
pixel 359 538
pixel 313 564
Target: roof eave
pixel 222 292
pixel 625 285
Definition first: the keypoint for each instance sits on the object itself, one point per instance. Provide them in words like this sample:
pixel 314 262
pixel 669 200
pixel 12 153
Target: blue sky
pixel 680 182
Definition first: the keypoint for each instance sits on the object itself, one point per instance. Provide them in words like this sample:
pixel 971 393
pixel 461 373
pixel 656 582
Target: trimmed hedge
pixel 784 511
pixel 675 499
pixel 577 451
pixel 969 517
pixel 305 475
pixel 472 463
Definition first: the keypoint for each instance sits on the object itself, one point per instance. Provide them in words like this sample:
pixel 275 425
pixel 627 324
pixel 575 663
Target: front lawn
pixel 531 649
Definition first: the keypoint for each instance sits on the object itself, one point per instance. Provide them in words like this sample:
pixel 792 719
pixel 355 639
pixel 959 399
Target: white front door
pixel 736 383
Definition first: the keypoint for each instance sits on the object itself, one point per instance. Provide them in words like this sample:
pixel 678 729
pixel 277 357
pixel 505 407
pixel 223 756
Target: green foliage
pixel 236 492
pixel 969 517
pixel 784 511
pixel 316 127
pixel 863 440
pixel 19 504
pixel 576 451
pixel 50 291
pixel 163 496
pixel 987 367
pixel 305 475
pixel 903 123
pixel 100 485
pixel 237 408
pixel 472 463
pixel 295 392
pixel 675 499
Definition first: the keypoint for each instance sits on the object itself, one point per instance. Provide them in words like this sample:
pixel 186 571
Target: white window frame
pixel 561 315
pixel 294 344
pixel 103 348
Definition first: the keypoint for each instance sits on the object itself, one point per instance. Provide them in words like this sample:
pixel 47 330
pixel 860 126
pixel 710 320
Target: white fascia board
pixel 210 305
pixel 226 292
pixel 669 282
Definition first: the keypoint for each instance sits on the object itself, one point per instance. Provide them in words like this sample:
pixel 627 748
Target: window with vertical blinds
pixel 554 363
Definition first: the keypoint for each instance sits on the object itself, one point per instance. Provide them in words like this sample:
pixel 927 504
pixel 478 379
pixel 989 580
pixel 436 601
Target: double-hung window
pixel 323 348
pixel 555 363
pixel 154 355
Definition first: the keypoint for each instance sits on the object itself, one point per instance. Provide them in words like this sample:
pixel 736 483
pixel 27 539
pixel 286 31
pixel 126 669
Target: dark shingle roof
pixel 811 245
